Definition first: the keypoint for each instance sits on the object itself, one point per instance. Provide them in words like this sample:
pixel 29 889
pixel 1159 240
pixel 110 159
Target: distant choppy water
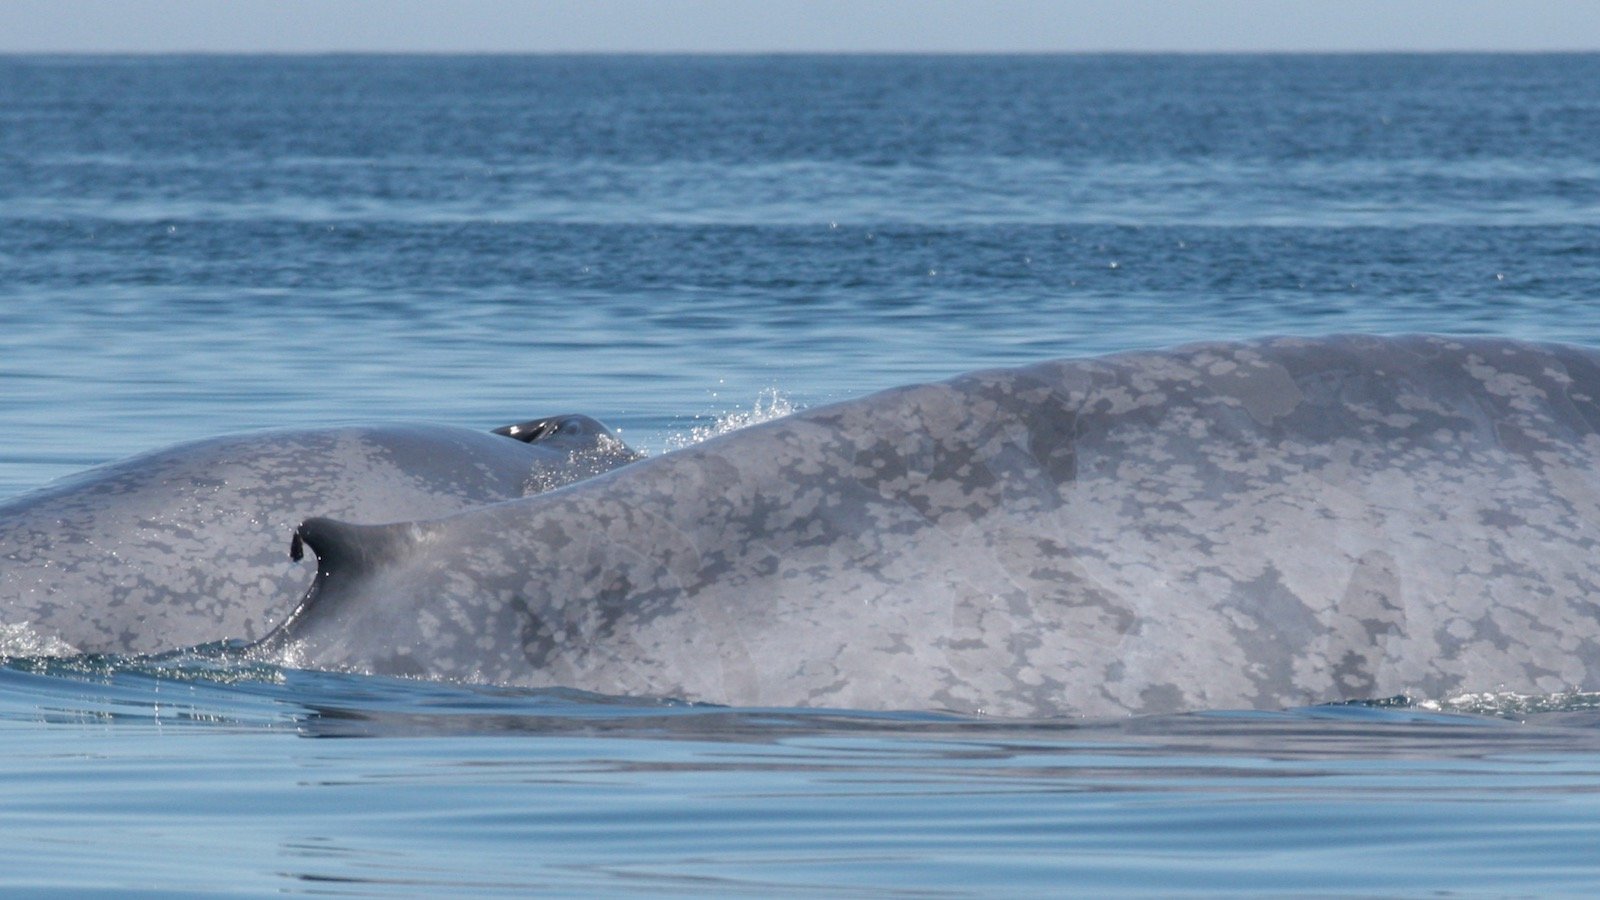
pixel 191 246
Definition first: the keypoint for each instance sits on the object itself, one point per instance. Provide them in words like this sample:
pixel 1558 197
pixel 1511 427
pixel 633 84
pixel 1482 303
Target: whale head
pixel 588 445
pixel 567 428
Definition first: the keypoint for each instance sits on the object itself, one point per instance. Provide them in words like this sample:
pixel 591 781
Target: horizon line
pixel 1426 51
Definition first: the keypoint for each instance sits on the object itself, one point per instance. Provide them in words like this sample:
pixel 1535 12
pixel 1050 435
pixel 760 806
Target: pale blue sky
pixel 795 25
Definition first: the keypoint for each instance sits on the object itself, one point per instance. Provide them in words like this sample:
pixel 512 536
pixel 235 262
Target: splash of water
pixel 1511 704
pixel 607 454
pixel 769 404
pixel 22 640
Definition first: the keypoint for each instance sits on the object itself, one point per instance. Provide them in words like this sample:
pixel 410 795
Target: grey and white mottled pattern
pixel 185 545
pixel 1262 524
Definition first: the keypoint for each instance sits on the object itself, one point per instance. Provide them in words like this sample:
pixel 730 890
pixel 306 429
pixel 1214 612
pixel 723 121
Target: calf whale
pixel 1259 524
pixel 182 546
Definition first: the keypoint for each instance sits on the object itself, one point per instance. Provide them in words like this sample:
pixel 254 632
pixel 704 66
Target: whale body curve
pixel 1257 524
pixel 182 546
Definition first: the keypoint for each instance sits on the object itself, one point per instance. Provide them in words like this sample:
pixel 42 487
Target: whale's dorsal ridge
pixel 341 545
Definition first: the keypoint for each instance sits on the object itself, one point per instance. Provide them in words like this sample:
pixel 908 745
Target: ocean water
pixel 198 245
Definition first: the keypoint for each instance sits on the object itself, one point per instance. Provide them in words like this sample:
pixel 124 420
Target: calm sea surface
pixel 192 246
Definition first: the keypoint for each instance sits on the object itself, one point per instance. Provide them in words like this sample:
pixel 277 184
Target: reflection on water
pixel 491 790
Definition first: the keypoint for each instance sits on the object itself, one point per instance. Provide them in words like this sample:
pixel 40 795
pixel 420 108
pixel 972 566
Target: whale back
pixel 1257 524
pixel 182 546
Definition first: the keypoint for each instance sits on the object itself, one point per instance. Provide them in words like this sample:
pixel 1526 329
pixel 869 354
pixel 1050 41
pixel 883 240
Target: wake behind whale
pixel 1259 524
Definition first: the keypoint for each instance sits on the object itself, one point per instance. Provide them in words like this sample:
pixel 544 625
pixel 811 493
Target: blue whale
pixel 183 546
pixel 1257 524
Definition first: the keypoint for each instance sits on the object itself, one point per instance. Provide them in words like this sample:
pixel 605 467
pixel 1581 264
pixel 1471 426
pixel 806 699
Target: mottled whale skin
pixel 1262 524
pixel 184 545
